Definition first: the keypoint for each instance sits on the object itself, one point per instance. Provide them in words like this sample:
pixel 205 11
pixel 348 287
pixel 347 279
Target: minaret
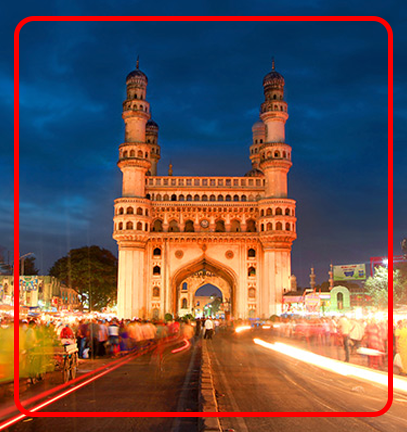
pixel 154 148
pixel 134 153
pixel 275 154
pixel 132 218
pixel 276 220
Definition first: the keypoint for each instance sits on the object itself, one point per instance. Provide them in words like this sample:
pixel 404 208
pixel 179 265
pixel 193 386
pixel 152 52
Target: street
pixel 247 378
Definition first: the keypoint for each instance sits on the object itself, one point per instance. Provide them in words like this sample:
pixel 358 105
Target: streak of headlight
pixel 241 328
pixel 266 327
pixel 332 365
pixel 184 347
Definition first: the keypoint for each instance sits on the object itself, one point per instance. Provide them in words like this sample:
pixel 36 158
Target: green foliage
pixel 29 266
pixel 168 317
pixel 92 272
pixel 377 287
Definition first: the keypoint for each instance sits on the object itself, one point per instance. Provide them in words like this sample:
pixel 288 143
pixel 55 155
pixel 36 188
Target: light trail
pixel 114 365
pixel 332 365
pixel 242 328
pixel 182 348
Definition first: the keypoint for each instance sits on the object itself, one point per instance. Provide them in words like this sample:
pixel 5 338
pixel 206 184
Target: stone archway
pixel 209 271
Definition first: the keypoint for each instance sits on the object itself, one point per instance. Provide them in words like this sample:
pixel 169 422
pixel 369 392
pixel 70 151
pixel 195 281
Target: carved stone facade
pixel 238 230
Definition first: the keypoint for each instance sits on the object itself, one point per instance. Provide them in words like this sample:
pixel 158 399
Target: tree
pixel 92 272
pixel 377 287
pixel 27 266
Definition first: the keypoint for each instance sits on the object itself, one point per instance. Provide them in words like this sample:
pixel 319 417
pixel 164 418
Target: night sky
pixel 205 91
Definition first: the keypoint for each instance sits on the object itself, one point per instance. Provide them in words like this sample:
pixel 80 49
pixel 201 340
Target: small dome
pixel 136 75
pixel 254 172
pixel 259 126
pixel 152 125
pixel 273 78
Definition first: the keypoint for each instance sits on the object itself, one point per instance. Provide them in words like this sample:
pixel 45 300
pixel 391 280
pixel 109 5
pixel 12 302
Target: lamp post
pixel 22 258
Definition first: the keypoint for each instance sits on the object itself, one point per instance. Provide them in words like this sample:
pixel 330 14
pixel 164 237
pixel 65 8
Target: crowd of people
pixel 101 337
pixel 351 335
pixel 95 337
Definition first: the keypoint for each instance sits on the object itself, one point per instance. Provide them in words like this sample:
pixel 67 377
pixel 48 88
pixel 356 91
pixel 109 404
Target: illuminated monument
pixel 176 234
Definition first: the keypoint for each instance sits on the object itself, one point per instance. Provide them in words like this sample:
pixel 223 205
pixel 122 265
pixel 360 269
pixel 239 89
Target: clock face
pixel 204 223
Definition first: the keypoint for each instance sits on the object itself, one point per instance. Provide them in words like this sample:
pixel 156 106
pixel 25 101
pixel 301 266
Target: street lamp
pixel 22 258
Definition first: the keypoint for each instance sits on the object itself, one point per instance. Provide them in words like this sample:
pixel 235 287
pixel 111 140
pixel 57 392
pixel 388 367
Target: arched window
pixel 156 313
pixel 158 197
pixel 185 286
pixel 125 154
pixel 181 198
pixel 262 227
pixel 173 197
pixel 252 293
pixel 120 225
pixel 132 153
pixel 236 198
pixel 274 96
pixel 156 271
pixel 269 226
pixel 212 198
pixel 184 303
pixel 158 225
pixel 277 154
pixel 251 272
pixel 339 299
pixel 157 252
pixel 146 227
pixel 269 212
pixel 279 226
pixel 204 197
pixel 251 225
pixel 156 292
pixel 235 226
pixel 189 197
pixel 166 197
pixel 287 227
pixel 220 197
pixel 121 210
pixel 189 226
pixel 129 225
pixel 196 197
pixel 140 154
pixel 146 155
pixel 220 226
pixel 228 198
pixel 139 211
pixel 261 212
pixel 173 226
pixel 251 253
pixel 139 226
pixel 148 196
pixel 287 212
pixel 244 198
pixel 146 212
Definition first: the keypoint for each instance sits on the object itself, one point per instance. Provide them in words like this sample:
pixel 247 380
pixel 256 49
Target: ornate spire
pixel 170 170
pixel 272 64
pixel 137 63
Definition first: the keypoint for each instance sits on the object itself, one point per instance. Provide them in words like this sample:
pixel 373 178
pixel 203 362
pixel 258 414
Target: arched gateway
pixel 177 233
pixel 188 280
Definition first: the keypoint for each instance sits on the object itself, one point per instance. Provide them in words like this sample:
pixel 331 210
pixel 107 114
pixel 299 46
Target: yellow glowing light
pixel 332 365
pixel 266 327
pixel 241 328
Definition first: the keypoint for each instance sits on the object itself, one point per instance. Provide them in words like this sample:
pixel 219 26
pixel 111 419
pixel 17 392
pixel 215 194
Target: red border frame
pixel 16 211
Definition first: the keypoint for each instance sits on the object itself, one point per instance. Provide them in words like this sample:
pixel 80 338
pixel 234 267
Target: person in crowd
pixel 401 344
pixel 113 331
pixel 344 327
pixel 209 328
pixel 356 334
pixel 374 340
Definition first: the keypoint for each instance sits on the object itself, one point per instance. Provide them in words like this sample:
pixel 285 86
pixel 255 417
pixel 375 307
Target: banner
pixel 28 283
pixel 350 272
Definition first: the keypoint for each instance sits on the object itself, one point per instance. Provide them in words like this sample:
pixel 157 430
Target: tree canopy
pixel 377 287
pixel 27 266
pixel 92 272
